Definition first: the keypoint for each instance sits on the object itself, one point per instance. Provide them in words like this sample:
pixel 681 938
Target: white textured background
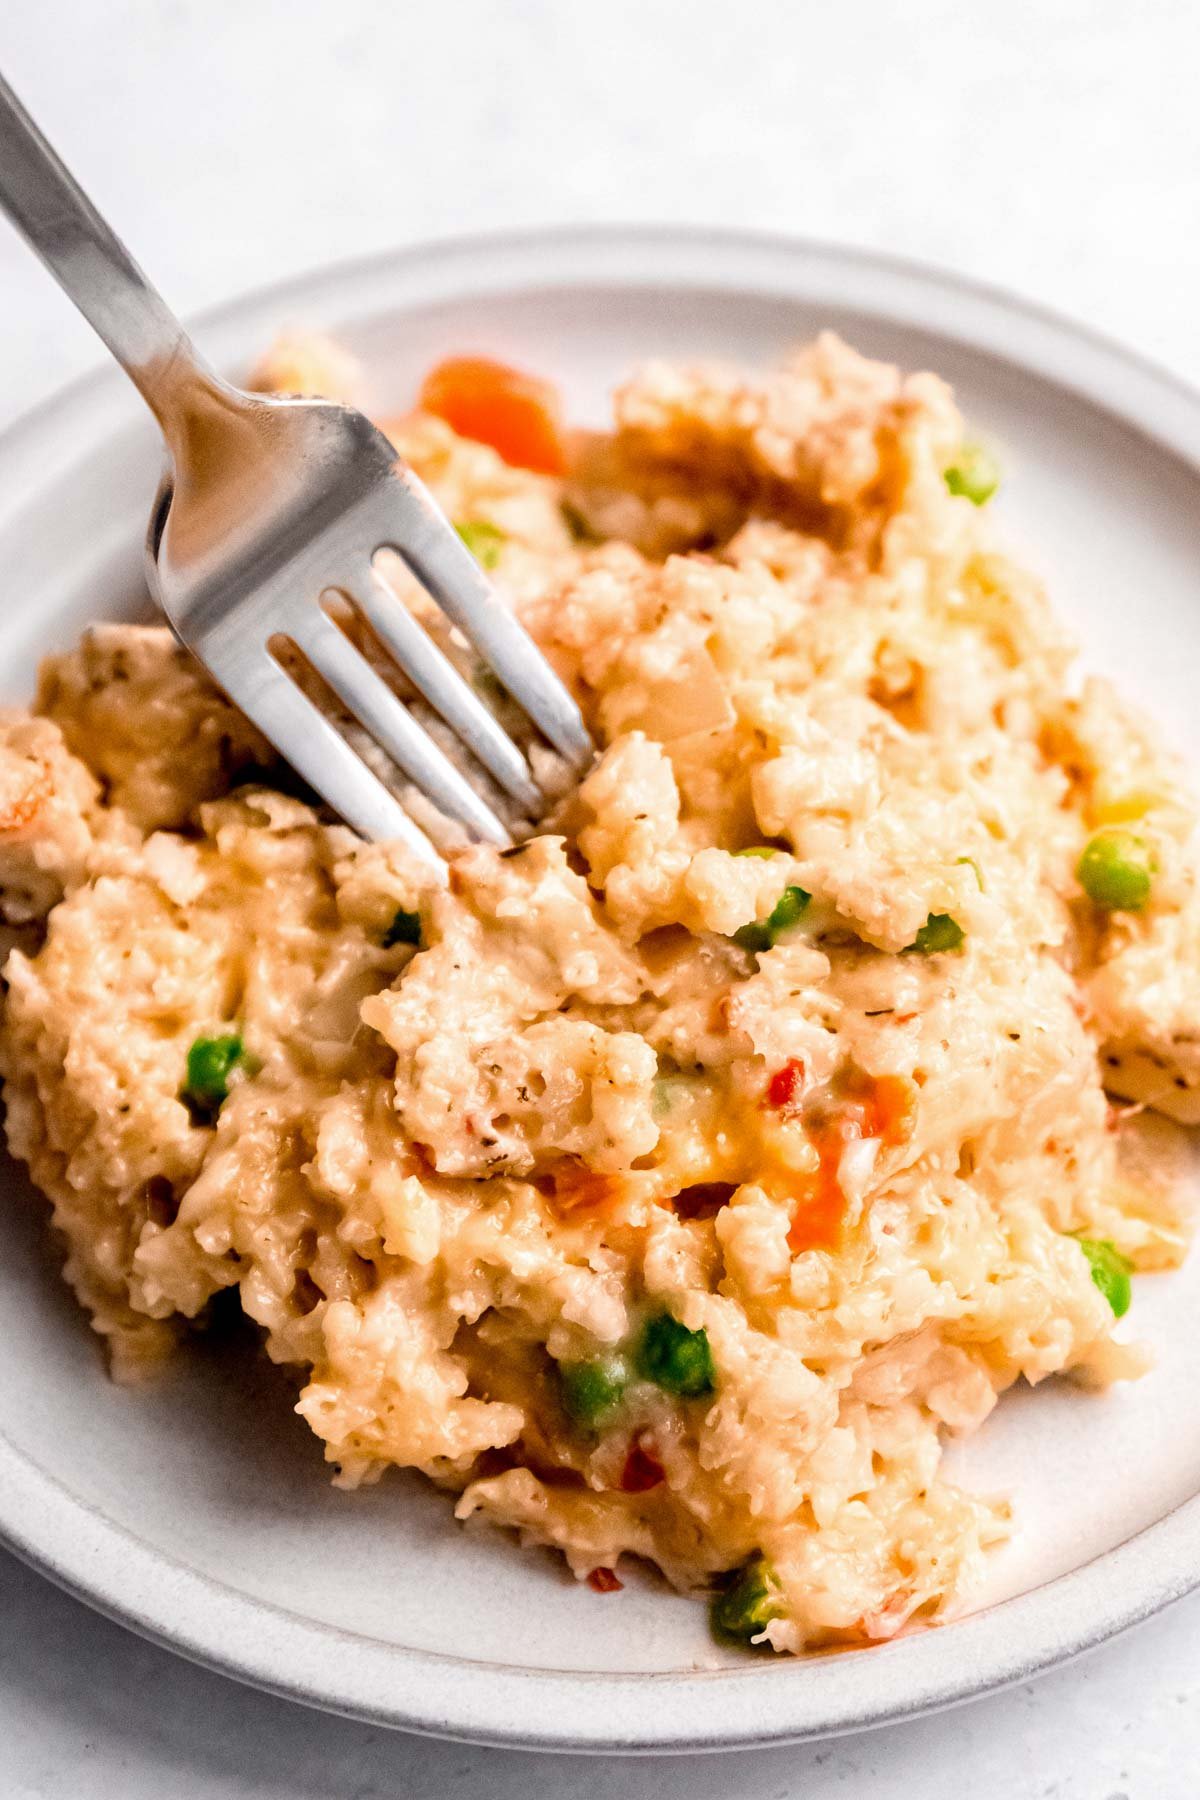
pixel 1053 148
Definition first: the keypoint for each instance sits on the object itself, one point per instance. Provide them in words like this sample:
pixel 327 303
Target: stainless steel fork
pixel 269 505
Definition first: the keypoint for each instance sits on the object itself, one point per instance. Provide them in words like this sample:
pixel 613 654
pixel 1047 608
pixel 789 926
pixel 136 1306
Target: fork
pixel 269 505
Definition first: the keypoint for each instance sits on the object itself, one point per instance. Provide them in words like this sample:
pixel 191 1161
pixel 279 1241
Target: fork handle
pixel 92 265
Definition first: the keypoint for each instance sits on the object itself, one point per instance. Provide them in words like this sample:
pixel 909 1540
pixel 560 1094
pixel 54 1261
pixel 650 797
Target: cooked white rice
pixel 448 1172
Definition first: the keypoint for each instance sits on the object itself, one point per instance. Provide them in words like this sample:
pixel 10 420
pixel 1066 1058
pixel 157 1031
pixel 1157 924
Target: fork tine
pixel 439 559
pixel 303 735
pixel 436 677
pixel 391 725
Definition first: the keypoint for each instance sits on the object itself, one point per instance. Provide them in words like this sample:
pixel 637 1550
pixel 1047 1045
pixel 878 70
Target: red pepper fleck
pixel 785 1085
pixel 703 1200
pixel 642 1471
pixel 603 1581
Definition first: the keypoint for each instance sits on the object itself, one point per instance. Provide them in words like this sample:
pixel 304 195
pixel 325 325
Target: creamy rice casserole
pixel 671 1186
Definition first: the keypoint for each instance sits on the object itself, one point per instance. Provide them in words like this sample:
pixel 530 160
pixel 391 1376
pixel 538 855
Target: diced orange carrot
pixel 889 1109
pixel 881 1107
pixel 578 1189
pixel 821 1206
pixel 519 415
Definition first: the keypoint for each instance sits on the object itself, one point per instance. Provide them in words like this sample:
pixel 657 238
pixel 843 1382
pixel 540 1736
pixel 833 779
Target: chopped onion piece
pixel 855 1169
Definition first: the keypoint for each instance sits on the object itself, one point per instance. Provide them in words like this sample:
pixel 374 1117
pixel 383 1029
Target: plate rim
pixel 98 1561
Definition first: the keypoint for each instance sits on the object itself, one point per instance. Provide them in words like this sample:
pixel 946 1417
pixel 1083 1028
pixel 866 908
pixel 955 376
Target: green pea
pixel 939 933
pixel 210 1063
pixel 1110 1272
pixel 483 539
pixel 975 476
pixel 757 850
pixel 1116 871
pixel 676 1359
pixel 743 1610
pixel 592 1391
pixel 405 928
pixel 791 906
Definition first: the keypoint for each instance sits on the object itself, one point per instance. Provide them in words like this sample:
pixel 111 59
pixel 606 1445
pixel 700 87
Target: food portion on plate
pixel 671 1186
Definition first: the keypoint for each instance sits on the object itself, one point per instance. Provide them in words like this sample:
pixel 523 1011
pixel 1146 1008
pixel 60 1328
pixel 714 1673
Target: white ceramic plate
pixel 199 1512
